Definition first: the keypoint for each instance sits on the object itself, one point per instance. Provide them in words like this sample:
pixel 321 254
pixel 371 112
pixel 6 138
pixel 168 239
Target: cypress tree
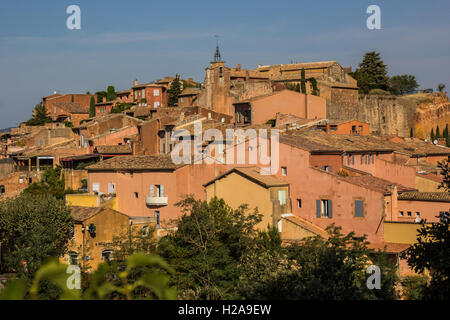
pixel 411 132
pixel 445 134
pixel 432 135
pixel 303 82
pixel 92 107
pixel 438 132
pixel 174 91
pixel 73 100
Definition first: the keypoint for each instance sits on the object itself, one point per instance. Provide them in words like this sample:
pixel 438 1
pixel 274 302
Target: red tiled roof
pixel 153 162
pixel 375 184
pixel 72 107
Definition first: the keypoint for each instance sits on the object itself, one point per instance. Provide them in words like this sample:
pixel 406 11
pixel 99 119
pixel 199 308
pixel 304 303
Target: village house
pixel 69 107
pixel 150 94
pixel 95 230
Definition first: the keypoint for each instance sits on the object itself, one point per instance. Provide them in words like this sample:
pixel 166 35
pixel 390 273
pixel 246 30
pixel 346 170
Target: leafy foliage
pixel 107 282
pixel 319 269
pixel 111 93
pixel 174 91
pixel 303 81
pixel 444 166
pixel 52 183
pixel 207 247
pixel 32 228
pixel 40 116
pixel 431 254
pixel 403 84
pixel 121 107
pixel 441 87
pixel 92 107
pixel 372 73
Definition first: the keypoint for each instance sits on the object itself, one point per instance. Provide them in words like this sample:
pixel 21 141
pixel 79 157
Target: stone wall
pixel 391 115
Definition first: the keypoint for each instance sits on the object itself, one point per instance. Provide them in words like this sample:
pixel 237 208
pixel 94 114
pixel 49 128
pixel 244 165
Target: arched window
pixel 2 189
pixel 107 255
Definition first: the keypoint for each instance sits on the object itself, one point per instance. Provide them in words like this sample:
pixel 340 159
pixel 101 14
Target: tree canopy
pixel 40 116
pixel 403 84
pixel 33 228
pixel 174 91
pixel 372 73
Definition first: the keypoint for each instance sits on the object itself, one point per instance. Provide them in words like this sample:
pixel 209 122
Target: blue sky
pixel 120 41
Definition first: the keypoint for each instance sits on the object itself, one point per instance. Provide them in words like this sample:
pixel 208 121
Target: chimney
pixel 135 83
pixel 327 128
pixel 238 67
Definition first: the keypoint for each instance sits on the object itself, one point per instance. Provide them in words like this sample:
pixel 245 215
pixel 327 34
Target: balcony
pixel 156 201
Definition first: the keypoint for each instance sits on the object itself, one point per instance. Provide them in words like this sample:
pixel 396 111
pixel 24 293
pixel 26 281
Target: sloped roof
pixel 305 224
pixel 389 247
pixel 114 149
pixel 425 196
pixel 152 162
pixel 296 66
pixel 80 214
pixel 72 107
pixel 376 184
pixel 253 174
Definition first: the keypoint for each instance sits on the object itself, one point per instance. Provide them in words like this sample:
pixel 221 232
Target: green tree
pixel 432 136
pixel 174 91
pixel 438 132
pixel 323 269
pixel 100 95
pixel 315 91
pixel 40 116
pixel 431 253
pixel 92 107
pixel 372 73
pixel 52 183
pixel 303 81
pixel 403 84
pixel 111 93
pixel 444 166
pixel 206 249
pixel 72 99
pixel 441 87
pixel 33 228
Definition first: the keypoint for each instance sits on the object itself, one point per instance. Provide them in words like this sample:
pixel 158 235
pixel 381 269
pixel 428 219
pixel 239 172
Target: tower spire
pixel 217 56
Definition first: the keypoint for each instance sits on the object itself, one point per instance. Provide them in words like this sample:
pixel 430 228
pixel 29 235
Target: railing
pixel 156 201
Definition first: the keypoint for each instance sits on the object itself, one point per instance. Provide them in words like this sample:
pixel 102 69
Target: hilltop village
pixel 361 161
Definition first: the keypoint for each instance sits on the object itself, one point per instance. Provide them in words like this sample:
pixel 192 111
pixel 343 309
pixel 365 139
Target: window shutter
pixel 331 168
pixel 330 209
pixel 152 188
pixel 318 208
pixel 161 191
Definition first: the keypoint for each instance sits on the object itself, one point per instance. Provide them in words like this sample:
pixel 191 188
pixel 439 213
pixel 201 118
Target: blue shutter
pixel 359 208
pixel 161 191
pixel 331 168
pixel 318 208
pixel 152 188
pixel 362 158
pixel 330 209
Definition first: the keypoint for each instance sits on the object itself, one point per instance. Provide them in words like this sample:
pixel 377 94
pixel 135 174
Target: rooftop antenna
pixel 217 56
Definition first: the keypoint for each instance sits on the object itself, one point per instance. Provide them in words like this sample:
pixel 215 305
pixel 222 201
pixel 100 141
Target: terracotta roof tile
pixel 153 162
pixel 375 184
pixel 72 107
pixel 114 149
pixel 425 196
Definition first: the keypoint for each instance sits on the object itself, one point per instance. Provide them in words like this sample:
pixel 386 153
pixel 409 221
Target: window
pixel 348 159
pixel 156 104
pixel 157 218
pixel 96 187
pixel 282 196
pixel 401 214
pixel 143 93
pixel 359 208
pixel 156 190
pixel 324 208
pixel 2 189
pixel 284 171
pixel 107 255
pixel 299 203
pixel 111 188
pixel 409 214
pixel 135 95
pixel 182 99
pixel 353 159
pixel 73 258
pixel 136 195
pixel 156 93
pixel 327 168
pixel 418 214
